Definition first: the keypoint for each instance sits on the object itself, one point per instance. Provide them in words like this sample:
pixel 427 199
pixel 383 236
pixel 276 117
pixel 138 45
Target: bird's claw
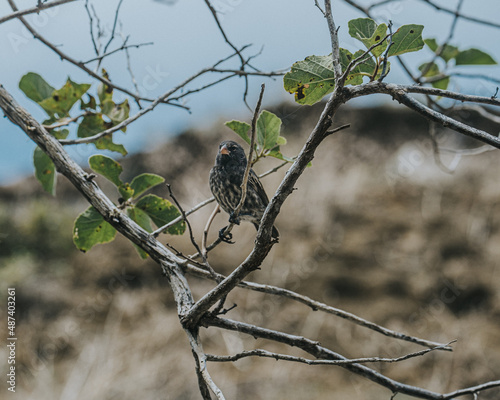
pixel 225 237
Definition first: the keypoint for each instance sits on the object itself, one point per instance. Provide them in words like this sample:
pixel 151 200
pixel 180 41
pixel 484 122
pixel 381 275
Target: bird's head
pixel 231 153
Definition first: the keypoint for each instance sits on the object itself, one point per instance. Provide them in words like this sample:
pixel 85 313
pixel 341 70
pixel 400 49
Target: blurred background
pixel 379 226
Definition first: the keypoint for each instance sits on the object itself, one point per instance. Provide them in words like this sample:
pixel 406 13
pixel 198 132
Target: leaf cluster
pixel 313 78
pixel 90 227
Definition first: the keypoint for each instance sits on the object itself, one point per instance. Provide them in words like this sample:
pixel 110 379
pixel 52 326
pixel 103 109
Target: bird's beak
pixel 224 151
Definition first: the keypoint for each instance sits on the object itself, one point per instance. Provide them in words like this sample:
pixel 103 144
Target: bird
pixel 225 181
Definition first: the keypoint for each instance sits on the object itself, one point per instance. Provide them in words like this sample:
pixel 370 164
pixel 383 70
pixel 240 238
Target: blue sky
pixel 186 40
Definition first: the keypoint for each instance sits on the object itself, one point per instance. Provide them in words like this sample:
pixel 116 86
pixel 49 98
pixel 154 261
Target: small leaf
pixel 432 43
pixel 119 113
pixel 35 87
pixel 106 167
pixel 106 143
pixel 91 104
pixel 45 171
pixel 144 182
pixel 433 70
pixel 268 130
pixel 474 57
pixel 92 125
pixel 449 52
pixel 276 153
pixel 406 39
pixel 281 141
pixel 62 100
pixel 125 191
pixel 60 133
pixel 161 211
pixel 143 220
pixel 91 229
pixel 241 129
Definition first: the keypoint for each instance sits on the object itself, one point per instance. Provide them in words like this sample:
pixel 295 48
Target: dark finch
pixel 225 182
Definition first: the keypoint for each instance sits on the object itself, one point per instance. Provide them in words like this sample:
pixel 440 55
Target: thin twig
pixel 39 7
pixel 286 357
pixel 334 39
pixel 191 236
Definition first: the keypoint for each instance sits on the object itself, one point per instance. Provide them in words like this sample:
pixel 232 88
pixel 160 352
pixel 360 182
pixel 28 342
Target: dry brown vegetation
pixel 375 227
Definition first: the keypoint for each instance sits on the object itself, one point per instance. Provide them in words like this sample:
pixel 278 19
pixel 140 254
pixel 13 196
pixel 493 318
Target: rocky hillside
pixel 378 226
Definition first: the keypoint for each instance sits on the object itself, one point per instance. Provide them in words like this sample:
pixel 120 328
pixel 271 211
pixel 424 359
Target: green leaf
pixel 144 182
pixel 433 70
pixel 240 128
pixel 268 130
pixel 106 143
pixel 281 141
pixel 60 133
pixel 432 43
pixel 161 211
pixel 474 57
pixel 119 113
pixel 449 52
pixel 91 104
pixel 92 125
pixel 106 167
pixel 45 171
pixel 62 100
pixel 91 229
pixel 406 39
pixel 276 153
pixel 311 79
pixel 369 33
pixel 125 191
pixel 35 87
pixel 143 220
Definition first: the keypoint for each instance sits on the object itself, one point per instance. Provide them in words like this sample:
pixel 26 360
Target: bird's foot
pixel 226 238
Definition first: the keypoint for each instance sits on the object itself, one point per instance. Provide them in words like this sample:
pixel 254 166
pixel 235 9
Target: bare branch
pixel 320 352
pixel 400 93
pixel 318 306
pixel 334 38
pixel 39 7
pixel 286 357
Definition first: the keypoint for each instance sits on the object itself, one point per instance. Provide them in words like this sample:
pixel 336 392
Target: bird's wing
pixel 256 185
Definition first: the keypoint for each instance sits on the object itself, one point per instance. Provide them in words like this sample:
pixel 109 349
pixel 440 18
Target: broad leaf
pixel 106 167
pixel 268 130
pixel 45 171
pixel 161 211
pixel 62 100
pixel 144 182
pixel 369 33
pixel 35 87
pixel 310 80
pixel 91 229
pixel 406 39
pixel 474 57
pixel 240 128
